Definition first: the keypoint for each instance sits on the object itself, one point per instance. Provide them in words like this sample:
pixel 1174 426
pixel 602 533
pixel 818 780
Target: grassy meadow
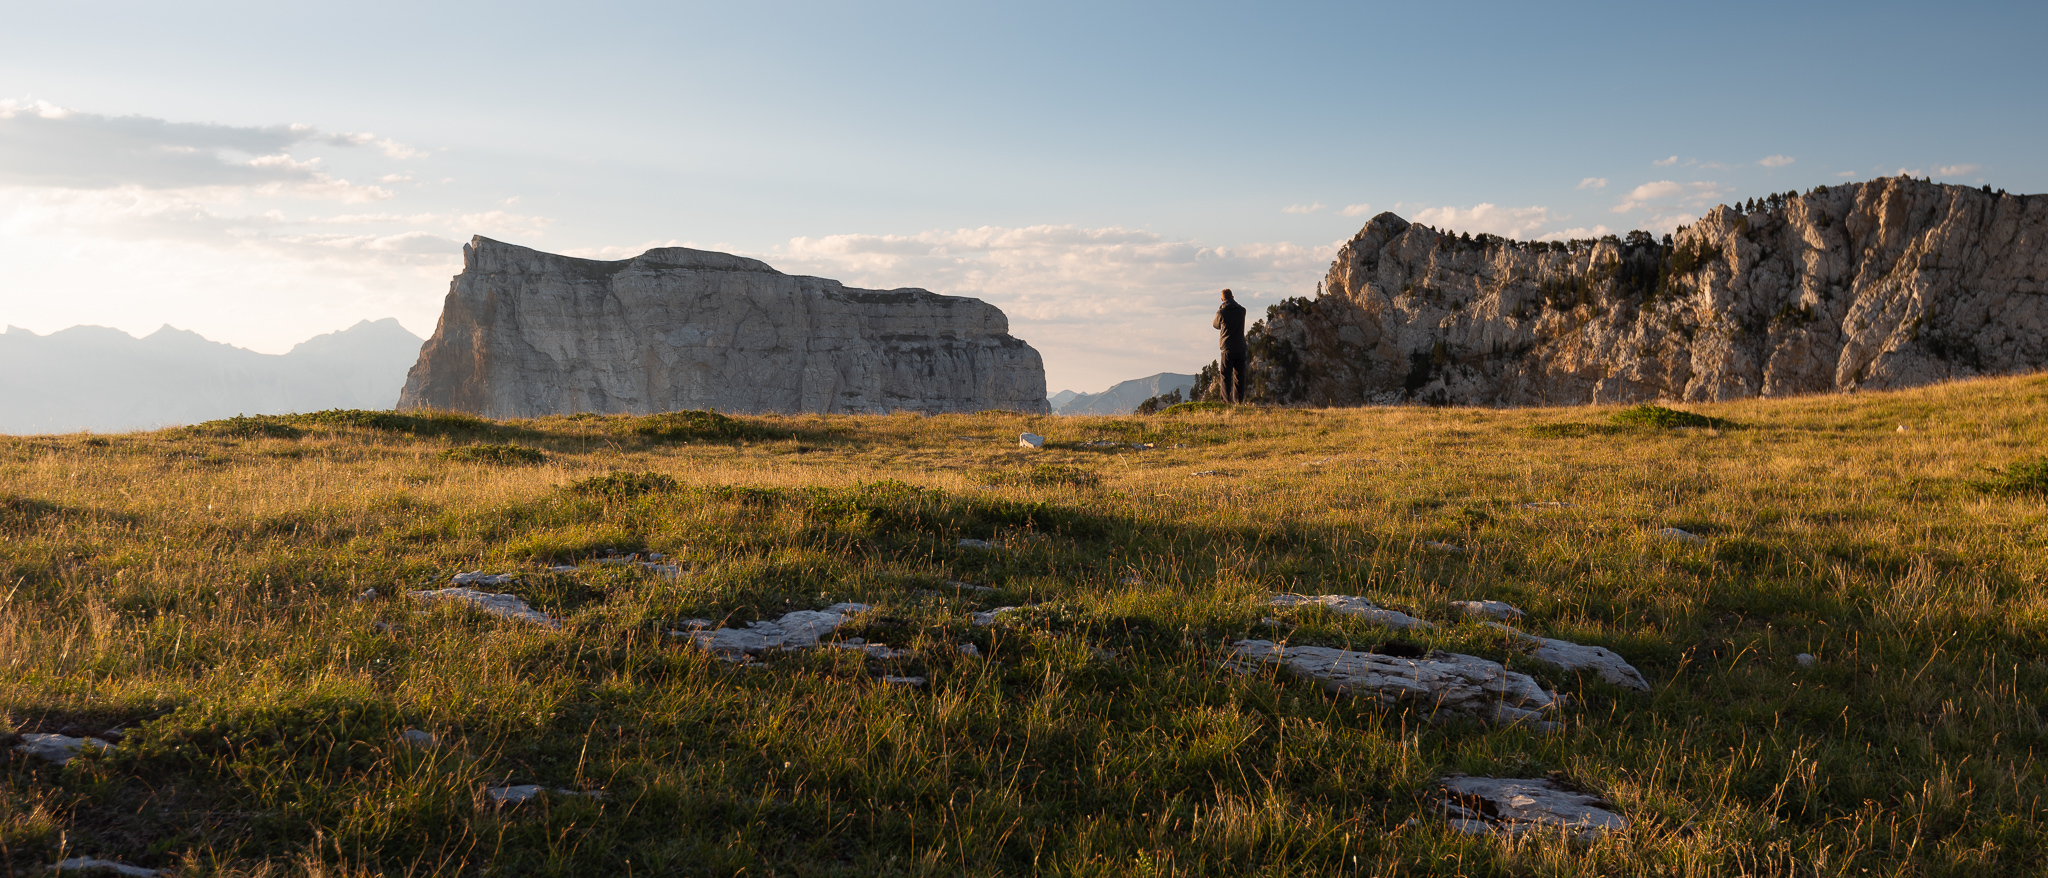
pixel 197 589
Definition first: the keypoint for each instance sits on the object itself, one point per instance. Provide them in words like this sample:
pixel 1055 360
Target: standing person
pixel 1230 359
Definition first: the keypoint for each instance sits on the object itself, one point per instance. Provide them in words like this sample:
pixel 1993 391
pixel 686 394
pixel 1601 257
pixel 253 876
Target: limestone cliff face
pixel 525 333
pixel 1889 283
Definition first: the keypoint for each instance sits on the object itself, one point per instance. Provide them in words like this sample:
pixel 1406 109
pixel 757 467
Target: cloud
pixel 1576 232
pixel 1593 183
pixel 45 145
pixel 1775 161
pixel 1510 222
pixel 1356 209
pixel 1955 170
pixel 1666 162
pixel 1845 173
pixel 1302 208
pixel 1069 290
pixel 1664 191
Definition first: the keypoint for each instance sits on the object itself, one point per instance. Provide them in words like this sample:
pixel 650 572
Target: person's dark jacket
pixel 1230 322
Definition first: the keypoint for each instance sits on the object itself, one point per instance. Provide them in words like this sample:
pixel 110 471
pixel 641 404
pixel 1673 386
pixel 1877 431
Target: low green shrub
pixel 250 427
pixel 505 455
pixel 1658 417
pixel 623 484
pixel 1192 407
pixel 2024 477
pixel 693 426
pixel 419 423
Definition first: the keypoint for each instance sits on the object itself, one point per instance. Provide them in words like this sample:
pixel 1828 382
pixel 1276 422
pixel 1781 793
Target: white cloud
pixel 1302 208
pixel 1576 232
pixel 1593 183
pixel 1356 209
pixel 1845 173
pixel 1955 170
pixel 1101 304
pixel 1775 161
pixel 1666 162
pixel 1668 191
pixel 1510 222
pixel 394 149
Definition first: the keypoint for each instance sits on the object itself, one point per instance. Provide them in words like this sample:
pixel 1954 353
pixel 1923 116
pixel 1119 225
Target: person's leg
pixel 1233 377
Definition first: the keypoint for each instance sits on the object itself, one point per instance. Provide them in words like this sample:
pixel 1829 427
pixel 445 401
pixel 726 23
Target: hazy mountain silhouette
pixel 95 378
pixel 1122 398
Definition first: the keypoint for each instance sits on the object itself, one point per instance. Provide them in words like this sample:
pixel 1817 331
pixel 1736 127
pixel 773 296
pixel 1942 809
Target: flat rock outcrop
pixel 1889 283
pixel 525 333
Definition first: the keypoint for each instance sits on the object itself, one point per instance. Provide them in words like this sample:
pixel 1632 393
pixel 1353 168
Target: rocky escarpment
pixel 1890 283
pixel 525 333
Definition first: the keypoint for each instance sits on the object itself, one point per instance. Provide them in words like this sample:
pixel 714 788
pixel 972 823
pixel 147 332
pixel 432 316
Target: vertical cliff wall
pixel 525 333
pixel 1889 283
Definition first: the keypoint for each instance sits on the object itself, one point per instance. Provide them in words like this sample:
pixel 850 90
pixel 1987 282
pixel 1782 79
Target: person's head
pixel 1227 297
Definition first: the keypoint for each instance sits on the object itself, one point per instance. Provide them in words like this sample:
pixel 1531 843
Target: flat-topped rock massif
pixel 1886 284
pixel 526 333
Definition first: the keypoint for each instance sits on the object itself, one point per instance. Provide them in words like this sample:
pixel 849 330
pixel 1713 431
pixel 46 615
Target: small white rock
pixel 989 618
pixel 478 577
pixel 1514 806
pixel 562 568
pixel 976 544
pixel 367 595
pixel 504 606
pixel 970 650
pixel 518 794
pixel 969 586
pixel 1206 472
pixel 95 864
pixel 1444 547
pixel 1672 533
pixel 904 681
pixel 1488 609
pixel 1352 605
pixel 797 630
pixel 1577 657
pixel 1806 659
pixel 1902 428
pixel 419 739
pixel 1030 440
pixel 1554 504
pixel 60 749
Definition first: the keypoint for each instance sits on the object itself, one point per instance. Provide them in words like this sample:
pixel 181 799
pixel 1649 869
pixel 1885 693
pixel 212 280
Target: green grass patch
pixel 1187 408
pixel 1658 417
pixel 2024 477
pixel 503 455
pixel 695 426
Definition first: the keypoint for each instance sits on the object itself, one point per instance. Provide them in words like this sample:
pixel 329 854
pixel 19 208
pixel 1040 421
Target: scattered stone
pixel 1030 440
pixel 1672 533
pixel 563 568
pixel 1101 443
pixel 1317 462
pixel 903 681
pixel 1132 580
pixel 1272 623
pixel 419 739
pixel 1554 504
pixel 1352 605
pixel 1144 446
pixel 1442 682
pixel 1806 659
pixel 970 650
pixel 1516 806
pixel 1574 657
pixel 114 735
pixel 1902 428
pixel 1444 547
pixel 504 606
pixel 969 586
pixel 95 864
pixel 367 595
pixel 60 749
pixel 989 618
pixel 518 794
pixel 385 627
pixel 671 571
pixel 1488 609
pixel 976 544
pixel 478 577
pixel 797 630
pixel 1206 472
pixel 693 625
pixel 655 556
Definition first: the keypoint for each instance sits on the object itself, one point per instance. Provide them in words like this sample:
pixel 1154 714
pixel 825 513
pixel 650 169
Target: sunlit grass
pixel 198 588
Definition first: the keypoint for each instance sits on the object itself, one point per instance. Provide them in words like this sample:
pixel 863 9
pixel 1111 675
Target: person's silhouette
pixel 1230 359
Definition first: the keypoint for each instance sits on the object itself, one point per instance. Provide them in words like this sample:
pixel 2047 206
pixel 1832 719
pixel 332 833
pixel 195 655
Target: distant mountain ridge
pixel 1122 398
pixel 105 380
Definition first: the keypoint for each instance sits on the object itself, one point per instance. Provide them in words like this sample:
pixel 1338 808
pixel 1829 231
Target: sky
pixel 264 172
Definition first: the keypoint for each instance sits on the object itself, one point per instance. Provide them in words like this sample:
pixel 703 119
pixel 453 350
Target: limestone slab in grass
pixel 1517 806
pixel 970 543
pixel 520 794
pixel 60 749
pixel 97 866
pixel 1441 682
pixel 478 577
pixel 1497 610
pixel 1030 440
pixel 503 606
pixel 798 630
pixel 1578 657
pixel 1352 605
pixel 989 618
pixel 1681 536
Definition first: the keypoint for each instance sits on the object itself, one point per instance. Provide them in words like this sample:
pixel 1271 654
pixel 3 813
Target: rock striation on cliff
pixel 525 333
pixel 1890 283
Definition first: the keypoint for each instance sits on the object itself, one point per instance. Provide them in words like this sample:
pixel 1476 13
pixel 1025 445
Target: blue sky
pixel 263 172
